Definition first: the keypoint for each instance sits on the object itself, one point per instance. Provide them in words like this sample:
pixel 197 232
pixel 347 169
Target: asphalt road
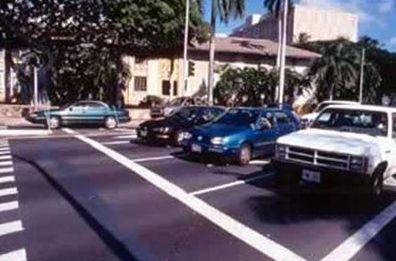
pixel 95 195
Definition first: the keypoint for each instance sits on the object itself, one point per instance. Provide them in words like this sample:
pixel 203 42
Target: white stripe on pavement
pixel 5 152
pixel 259 162
pixel 8 191
pixel 19 132
pixel 17 255
pixel 6 170
pixel 116 142
pixel 6 157
pixel 229 185
pixel 123 137
pixel 6 163
pixel 10 227
pixel 9 206
pixel 358 240
pixel 7 179
pixel 259 242
pixel 153 158
pixel 4 148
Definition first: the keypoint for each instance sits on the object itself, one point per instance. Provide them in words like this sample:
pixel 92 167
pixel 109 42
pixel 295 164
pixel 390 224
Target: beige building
pixel 2 76
pixel 164 76
pixel 319 24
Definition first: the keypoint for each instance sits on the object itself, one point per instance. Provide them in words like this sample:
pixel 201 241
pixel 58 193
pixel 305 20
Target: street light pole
pixel 362 75
pixel 35 94
pixel 283 53
pixel 185 51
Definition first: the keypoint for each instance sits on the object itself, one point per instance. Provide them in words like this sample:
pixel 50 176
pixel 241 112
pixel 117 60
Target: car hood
pixel 220 130
pixel 334 141
pixel 310 116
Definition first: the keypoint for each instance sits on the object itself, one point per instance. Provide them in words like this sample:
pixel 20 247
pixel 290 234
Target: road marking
pixel 5 163
pixel 229 185
pixel 5 157
pixel 6 170
pixel 259 242
pixel 8 191
pixel 116 142
pixel 5 152
pixel 9 206
pixel 17 255
pixel 122 137
pixel 10 227
pixel 259 162
pixel 7 179
pixel 153 158
pixel 19 132
pixel 2 145
pixel 358 240
pixel 5 148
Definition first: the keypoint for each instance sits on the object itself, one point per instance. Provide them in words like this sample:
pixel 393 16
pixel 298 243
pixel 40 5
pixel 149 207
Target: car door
pixel 392 147
pixel 74 113
pixel 95 112
pixel 265 134
pixel 284 123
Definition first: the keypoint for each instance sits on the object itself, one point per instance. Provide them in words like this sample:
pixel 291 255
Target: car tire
pixel 110 122
pixel 54 122
pixel 376 183
pixel 244 154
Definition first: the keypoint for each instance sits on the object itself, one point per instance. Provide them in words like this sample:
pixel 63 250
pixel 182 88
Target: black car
pixel 170 127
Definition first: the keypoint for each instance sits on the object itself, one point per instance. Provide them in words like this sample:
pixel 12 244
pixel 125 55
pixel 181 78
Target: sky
pixel 377 18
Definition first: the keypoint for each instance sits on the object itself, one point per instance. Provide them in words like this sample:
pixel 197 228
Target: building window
pixel 175 88
pixel 140 83
pixel 139 60
pixel 166 86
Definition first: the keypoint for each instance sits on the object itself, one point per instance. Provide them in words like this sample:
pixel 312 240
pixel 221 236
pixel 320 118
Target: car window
pixel 94 105
pixel 282 118
pixel 394 125
pixel 240 117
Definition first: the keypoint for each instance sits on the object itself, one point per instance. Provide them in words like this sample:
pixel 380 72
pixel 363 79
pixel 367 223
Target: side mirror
pixel 264 124
pixel 71 108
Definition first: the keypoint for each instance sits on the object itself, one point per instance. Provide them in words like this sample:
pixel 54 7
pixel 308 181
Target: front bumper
pixel 205 148
pixel 36 119
pixel 149 135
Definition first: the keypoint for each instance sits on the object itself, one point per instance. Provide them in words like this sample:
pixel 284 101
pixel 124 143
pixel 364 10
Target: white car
pixel 344 142
pixel 307 119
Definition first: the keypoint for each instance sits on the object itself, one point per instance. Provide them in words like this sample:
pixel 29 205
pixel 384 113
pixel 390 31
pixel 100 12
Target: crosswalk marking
pixel 17 255
pixel 4 152
pixel 4 148
pixel 9 206
pixel 7 179
pixel 8 191
pixel 116 142
pixel 6 170
pixel 6 157
pixel 10 227
pixel 5 163
pixel 125 137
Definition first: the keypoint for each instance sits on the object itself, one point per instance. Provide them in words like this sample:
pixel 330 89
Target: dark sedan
pixel 170 127
pixel 81 113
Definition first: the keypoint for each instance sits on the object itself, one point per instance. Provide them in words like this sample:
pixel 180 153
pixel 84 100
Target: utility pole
pixel 362 62
pixel 185 51
pixel 283 53
pixel 35 94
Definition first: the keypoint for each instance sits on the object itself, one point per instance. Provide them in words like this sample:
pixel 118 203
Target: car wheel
pixel 54 122
pixel 376 184
pixel 245 154
pixel 110 122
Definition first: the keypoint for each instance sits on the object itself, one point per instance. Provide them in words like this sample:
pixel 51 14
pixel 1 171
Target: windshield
pixel 177 101
pixel 367 122
pixel 238 117
pixel 185 113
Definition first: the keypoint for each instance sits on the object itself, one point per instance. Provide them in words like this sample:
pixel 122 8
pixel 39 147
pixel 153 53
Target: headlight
pixel 186 135
pixel 217 141
pixel 281 151
pixel 162 129
pixel 357 163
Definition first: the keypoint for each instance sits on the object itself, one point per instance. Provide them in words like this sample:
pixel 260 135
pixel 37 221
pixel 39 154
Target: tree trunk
pixel 212 52
pixel 7 74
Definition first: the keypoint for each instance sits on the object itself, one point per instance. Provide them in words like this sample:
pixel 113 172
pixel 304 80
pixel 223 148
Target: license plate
pixel 311 176
pixel 143 133
pixel 196 148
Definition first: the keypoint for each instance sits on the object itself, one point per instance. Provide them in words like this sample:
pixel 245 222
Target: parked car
pixel 173 105
pixel 170 127
pixel 345 142
pixel 241 133
pixel 81 113
pixel 307 119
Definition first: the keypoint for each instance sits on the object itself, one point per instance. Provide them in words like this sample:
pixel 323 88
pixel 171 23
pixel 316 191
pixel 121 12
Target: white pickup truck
pixel 345 142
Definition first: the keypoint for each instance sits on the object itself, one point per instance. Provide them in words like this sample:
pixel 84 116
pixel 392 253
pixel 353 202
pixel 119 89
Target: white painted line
pixel 10 227
pixel 123 137
pixel 229 185
pixel 7 179
pixel 6 163
pixel 358 240
pixel 9 206
pixel 6 170
pixel 259 242
pixel 5 152
pixel 5 157
pixel 116 142
pixel 259 162
pixel 153 158
pixel 4 148
pixel 19 132
pixel 3 145
pixel 17 255
pixel 8 191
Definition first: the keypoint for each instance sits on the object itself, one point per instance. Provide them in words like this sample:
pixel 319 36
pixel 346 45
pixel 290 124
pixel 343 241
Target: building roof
pixel 250 46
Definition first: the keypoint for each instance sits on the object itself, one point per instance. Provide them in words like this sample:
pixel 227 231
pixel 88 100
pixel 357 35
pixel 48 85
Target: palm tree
pixel 223 10
pixel 337 70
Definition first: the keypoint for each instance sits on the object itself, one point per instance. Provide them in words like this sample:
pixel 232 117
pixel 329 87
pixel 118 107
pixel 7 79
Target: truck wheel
pixel 245 154
pixel 54 122
pixel 376 184
pixel 110 122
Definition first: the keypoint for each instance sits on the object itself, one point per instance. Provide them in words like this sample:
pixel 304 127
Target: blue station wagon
pixel 241 133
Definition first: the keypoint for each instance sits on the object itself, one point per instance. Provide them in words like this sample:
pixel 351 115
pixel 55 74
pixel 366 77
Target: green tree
pixel 223 10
